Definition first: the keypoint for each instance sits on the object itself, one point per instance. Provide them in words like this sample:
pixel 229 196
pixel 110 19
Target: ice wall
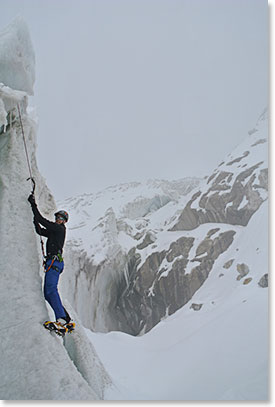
pixel 35 365
pixel 17 59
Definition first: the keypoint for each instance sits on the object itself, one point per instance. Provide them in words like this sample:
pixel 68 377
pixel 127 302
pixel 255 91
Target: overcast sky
pixel 128 90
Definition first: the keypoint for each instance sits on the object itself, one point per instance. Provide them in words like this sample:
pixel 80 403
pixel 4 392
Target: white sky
pixel 128 90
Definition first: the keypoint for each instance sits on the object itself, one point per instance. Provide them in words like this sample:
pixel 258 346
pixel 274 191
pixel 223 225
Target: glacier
pixel 167 281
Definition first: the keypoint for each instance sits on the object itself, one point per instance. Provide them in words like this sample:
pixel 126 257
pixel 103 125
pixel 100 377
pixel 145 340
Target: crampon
pixel 58 328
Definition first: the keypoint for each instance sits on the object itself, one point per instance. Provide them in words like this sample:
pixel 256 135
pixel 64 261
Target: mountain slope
pixel 138 253
pixel 103 228
pixel 236 189
pixel 180 260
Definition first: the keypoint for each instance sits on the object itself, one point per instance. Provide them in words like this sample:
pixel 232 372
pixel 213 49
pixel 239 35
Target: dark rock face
pixel 196 307
pixel 222 201
pixel 148 239
pixel 141 293
pixel 156 290
pixel 247 281
pixel 228 264
pixel 243 270
pixel 263 281
pixel 236 160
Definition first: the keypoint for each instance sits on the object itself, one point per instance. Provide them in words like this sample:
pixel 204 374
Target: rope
pixel 30 171
pixel 25 146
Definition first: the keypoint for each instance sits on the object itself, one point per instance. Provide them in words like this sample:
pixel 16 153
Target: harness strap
pixel 50 265
pixel 55 257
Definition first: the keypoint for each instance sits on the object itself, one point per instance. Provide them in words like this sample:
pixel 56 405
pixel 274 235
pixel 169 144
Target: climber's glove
pixel 31 200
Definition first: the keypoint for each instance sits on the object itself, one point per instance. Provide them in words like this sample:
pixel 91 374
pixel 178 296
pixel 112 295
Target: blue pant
pixel 50 288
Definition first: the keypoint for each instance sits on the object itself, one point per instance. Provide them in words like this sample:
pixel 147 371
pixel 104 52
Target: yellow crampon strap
pixel 62 326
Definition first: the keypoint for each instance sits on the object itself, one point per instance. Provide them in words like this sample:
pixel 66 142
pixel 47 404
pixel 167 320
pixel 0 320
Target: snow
pixel 137 205
pixel 217 353
pixel 7 93
pixel 3 115
pixel 243 203
pixel 17 57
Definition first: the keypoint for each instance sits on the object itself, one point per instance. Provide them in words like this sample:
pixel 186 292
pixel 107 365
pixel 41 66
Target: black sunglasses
pixel 59 217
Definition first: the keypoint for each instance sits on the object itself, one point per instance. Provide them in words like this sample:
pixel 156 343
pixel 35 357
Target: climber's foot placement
pixel 59 328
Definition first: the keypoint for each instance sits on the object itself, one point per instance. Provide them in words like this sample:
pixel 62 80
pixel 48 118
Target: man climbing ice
pixel 54 264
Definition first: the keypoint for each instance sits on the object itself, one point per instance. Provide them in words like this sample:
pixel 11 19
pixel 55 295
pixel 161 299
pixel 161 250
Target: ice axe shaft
pixel 33 183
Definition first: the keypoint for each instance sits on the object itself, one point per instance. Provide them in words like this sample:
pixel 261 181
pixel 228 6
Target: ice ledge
pixel 9 100
pixel 8 93
pixel 17 58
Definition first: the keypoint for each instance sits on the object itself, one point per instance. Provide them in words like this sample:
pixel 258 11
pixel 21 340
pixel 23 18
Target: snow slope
pixel 217 353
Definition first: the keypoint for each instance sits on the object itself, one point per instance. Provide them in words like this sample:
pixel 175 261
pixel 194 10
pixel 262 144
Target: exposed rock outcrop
pixel 247 281
pixel 148 239
pixel 228 264
pixel 196 307
pixel 214 206
pixel 263 281
pixel 243 270
pixel 160 286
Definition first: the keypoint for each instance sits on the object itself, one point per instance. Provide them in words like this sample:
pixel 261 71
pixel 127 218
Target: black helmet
pixel 62 214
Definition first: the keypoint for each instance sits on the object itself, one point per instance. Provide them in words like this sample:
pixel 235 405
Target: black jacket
pixel 53 231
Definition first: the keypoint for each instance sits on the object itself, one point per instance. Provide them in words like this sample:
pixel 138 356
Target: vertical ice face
pixel 17 59
pixel 34 364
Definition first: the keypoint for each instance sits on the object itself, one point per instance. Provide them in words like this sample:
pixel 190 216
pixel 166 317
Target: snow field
pixel 217 353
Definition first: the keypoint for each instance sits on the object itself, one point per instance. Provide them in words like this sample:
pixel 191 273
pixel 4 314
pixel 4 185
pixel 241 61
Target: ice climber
pixel 54 264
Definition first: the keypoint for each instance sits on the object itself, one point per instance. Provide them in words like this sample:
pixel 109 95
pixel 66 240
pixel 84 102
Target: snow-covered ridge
pixel 130 203
pixel 236 188
pixel 144 238
pixel 103 228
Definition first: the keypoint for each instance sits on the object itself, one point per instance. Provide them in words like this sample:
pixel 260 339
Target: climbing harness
pixel 56 257
pixel 30 171
pixel 50 266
